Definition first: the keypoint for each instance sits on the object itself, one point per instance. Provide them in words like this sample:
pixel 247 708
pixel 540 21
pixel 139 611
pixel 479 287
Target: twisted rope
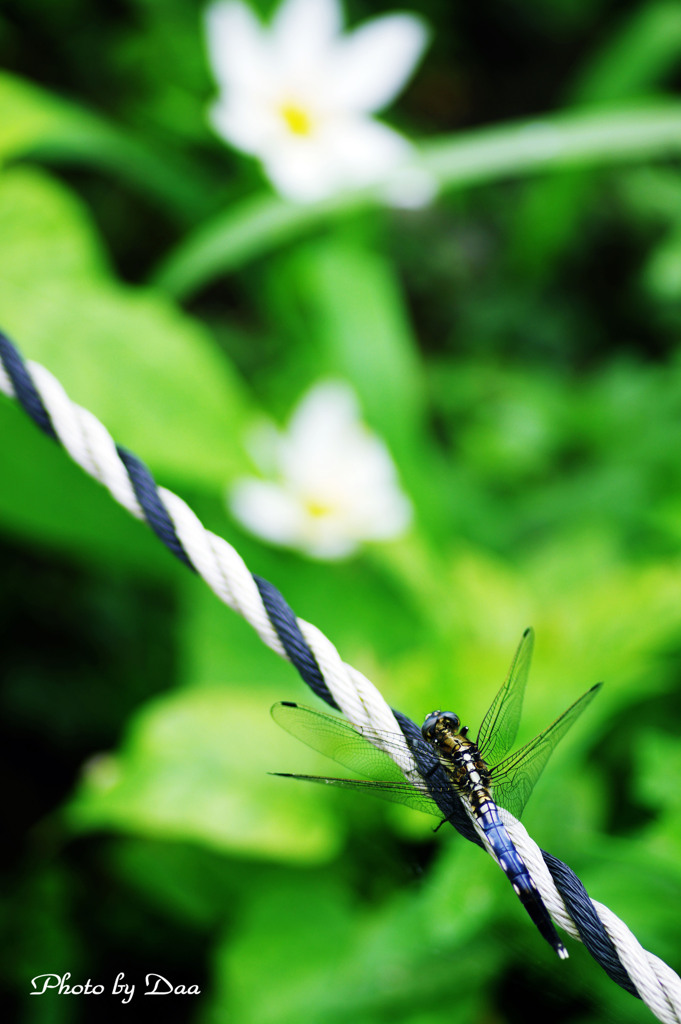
pixel 130 483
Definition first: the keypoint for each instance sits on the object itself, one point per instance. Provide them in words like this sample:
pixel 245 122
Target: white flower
pixel 298 95
pixel 336 487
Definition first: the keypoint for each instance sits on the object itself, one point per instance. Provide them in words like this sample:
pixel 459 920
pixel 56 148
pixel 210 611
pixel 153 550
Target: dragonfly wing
pixel 397 792
pixel 513 779
pixel 500 725
pixel 337 739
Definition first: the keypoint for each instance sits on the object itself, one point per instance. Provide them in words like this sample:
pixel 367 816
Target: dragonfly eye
pixel 440 722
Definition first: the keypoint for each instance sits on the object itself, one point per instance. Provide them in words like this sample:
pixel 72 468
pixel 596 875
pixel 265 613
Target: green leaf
pixel 630 63
pixel 351 959
pixel 235 236
pixel 47 234
pixel 189 882
pixel 662 762
pixel 37 124
pixel 345 305
pixel 194 767
pixel 662 272
pixel 356 312
pixel 635 58
pixel 47 498
pixel 152 375
pixel 308 922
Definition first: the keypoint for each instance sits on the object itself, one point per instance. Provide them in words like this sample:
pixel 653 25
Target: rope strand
pixel 130 483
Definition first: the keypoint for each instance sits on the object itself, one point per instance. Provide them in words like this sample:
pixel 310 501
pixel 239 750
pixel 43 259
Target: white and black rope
pixel 129 481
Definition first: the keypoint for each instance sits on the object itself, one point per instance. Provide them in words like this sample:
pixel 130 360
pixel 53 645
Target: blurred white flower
pixel 336 483
pixel 298 94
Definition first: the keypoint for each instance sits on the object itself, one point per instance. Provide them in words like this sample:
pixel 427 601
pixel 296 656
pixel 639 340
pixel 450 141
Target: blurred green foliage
pixel 517 346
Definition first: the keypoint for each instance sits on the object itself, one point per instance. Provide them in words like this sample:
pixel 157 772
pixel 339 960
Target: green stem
pixel 576 139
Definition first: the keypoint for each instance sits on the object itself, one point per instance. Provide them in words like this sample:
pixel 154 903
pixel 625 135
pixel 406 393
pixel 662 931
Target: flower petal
pixel 236 45
pixel 367 151
pixel 372 65
pixel 241 123
pixel 270 512
pixel 267 510
pixel 303 171
pixel 303 36
pixel 352 154
pixel 301 25
pixel 330 407
pixel 337 483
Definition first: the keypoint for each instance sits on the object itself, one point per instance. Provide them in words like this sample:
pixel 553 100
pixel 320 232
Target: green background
pixel 517 346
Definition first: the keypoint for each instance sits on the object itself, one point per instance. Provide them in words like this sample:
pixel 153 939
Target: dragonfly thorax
pixel 458 755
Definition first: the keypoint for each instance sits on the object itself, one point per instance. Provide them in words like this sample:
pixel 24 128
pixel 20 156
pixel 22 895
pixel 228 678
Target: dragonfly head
pixel 440 726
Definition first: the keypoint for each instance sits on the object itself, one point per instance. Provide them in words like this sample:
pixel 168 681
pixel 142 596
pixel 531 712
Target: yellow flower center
pixel 298 121
pixel 317 509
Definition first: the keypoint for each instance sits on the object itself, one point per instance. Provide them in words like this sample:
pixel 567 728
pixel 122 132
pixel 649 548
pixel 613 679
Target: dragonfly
pixel 482 773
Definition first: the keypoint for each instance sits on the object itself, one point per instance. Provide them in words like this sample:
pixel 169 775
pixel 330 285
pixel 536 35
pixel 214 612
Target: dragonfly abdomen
pixel 513 866
pixel 509 859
